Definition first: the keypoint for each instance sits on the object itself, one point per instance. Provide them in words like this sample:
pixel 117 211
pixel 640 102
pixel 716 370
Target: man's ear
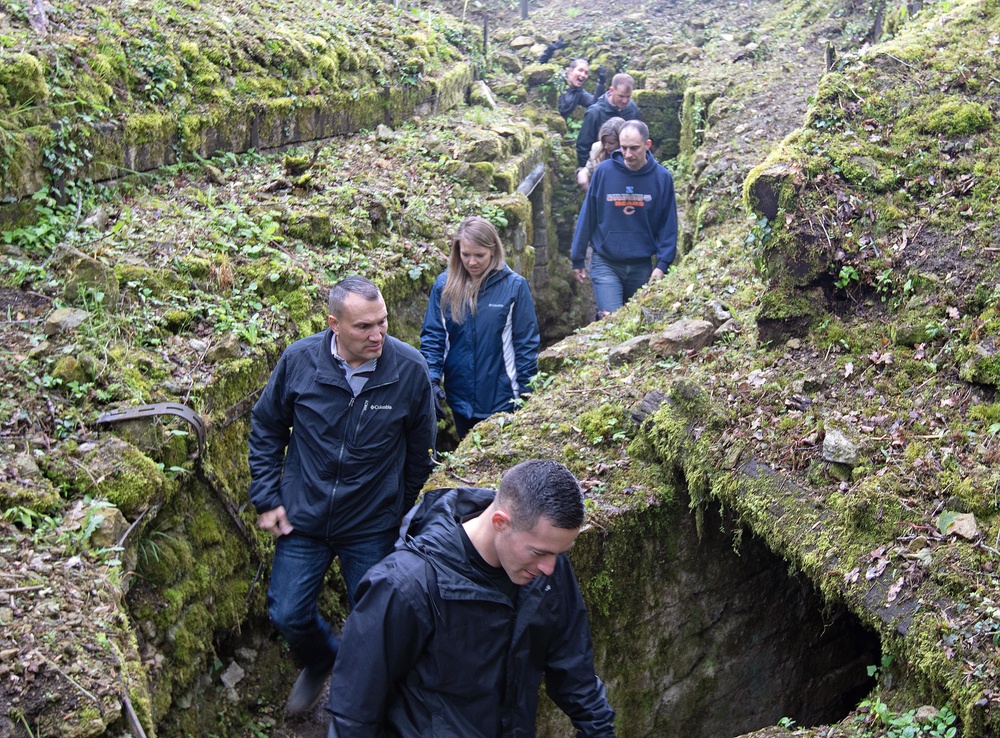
pixel 332 322
pixel 500 520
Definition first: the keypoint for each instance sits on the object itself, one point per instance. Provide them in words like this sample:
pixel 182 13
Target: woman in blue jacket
pixel 480 333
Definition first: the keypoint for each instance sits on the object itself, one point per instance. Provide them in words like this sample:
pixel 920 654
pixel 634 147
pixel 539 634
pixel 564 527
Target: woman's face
pixel 577 75
pixel 610 143
pixel 475 258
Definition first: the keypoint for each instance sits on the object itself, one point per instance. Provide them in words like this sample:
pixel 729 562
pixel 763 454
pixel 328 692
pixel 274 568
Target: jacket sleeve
pixel 383 638
pixel 666 234
pixel 421 430
pixel 570 679
pixel 270 429
pixel 585 139
pixel 525 337
pixel 433 335
pixel 586 223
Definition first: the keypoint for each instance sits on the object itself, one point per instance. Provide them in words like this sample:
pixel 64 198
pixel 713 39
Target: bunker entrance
pixel 713 635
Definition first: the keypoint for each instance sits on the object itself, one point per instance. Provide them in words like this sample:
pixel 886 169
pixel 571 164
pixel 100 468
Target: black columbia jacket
pixel 431 651
pixel 342 466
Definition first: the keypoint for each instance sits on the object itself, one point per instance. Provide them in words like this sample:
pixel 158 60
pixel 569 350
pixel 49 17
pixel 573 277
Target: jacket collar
pixel 430 530
pixel 329 372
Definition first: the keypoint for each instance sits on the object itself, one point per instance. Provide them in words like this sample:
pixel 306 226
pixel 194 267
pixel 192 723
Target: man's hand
pixel 581 275
pixel 275 522
pixel 656 274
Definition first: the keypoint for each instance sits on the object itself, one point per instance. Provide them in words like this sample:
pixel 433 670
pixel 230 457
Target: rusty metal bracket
pixel 140 412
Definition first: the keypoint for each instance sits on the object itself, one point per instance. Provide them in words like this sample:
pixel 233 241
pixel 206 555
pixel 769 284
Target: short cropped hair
pixel 623 80
pixel 541 489
pixel 638 126
pixel 351 285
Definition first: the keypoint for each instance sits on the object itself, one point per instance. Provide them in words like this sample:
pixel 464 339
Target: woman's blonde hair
pixel 611 128
pixel 460 289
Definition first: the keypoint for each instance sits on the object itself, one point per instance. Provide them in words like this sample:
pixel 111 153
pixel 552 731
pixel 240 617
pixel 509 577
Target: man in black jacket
pixel 454 630
pixel 340 444
pixel 616 102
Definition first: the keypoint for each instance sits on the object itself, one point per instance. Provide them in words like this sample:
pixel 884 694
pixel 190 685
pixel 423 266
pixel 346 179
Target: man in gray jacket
pixel 340 445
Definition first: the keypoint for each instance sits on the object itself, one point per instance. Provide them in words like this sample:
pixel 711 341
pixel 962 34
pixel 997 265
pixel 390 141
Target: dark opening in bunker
pixel 712 636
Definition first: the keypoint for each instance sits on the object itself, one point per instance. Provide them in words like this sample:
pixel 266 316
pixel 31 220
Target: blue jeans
pixel 616 281
pixel 300 565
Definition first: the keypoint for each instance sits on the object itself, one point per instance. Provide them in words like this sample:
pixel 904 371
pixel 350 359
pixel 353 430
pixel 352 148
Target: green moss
pixel 958 118
pixel 605 425
pixel 505 180
pixel 126 477
pixel 176 320
pixel 779 304
pixel 148 128
pixel 978 365
pixel 22 78
pixel 693 117
pixel 164 557
pixel 478 174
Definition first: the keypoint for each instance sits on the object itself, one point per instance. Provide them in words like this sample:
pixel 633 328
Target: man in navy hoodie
pixel 629 216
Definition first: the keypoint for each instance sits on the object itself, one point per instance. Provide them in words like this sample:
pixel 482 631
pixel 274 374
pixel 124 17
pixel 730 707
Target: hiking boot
pixel 306 691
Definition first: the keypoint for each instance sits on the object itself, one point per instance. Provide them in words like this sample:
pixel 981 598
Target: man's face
pixel 577 75
pixel 620 96
pixel 633 149
pixel 360 329
pixel 525 555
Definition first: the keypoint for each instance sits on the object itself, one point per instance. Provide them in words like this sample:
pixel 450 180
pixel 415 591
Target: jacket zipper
pixel 336 482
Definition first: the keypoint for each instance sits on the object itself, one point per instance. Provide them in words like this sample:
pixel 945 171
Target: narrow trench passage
pixel 695 635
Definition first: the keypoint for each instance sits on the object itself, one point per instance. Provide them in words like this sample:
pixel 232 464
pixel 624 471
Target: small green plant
pixel 541 381
pixel 756 240
pixel 49 228
pixel 848 274
pixel 495 214
pixel 933 329
pixel 876 719
pixel 29 519
pixel 883 284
